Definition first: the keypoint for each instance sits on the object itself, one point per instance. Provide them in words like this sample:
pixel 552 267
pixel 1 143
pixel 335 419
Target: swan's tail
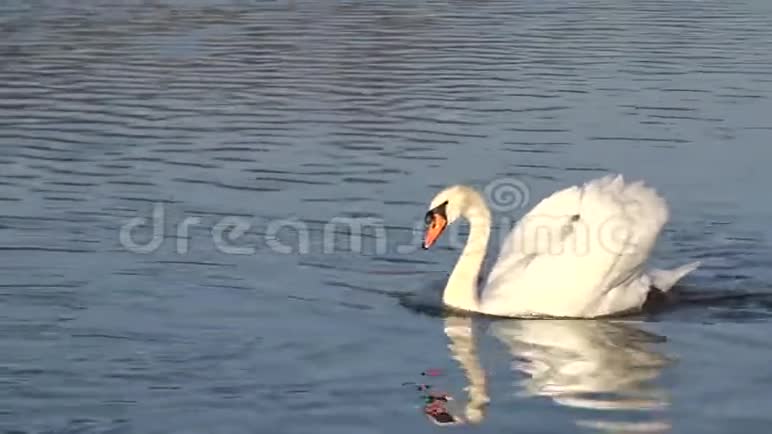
pixel 666 279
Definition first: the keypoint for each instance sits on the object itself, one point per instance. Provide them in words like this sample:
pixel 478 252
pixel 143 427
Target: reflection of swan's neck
pixel 461 289
pixel 463 349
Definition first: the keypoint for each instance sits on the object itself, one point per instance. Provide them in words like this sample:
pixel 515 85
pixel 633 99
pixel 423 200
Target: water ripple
pixel 301 111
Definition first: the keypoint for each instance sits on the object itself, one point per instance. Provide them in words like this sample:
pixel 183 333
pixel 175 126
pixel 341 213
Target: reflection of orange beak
pixel 434 230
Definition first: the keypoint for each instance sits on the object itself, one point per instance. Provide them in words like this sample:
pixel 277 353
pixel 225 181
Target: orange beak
pixel 434 229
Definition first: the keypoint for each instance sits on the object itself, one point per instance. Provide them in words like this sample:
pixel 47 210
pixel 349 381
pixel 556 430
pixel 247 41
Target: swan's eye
pixel 435 213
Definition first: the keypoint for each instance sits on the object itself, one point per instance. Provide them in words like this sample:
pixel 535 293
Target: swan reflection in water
pixel 596 365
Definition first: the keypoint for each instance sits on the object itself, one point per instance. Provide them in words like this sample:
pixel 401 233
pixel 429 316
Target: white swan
pixel 578 253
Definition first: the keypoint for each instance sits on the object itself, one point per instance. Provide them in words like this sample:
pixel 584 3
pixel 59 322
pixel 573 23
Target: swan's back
pixel 579 252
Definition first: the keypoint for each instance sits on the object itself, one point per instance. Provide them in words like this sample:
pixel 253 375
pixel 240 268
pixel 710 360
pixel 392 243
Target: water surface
pixel 291 114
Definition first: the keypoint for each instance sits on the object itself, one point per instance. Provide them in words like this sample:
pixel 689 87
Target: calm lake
pixel 180 181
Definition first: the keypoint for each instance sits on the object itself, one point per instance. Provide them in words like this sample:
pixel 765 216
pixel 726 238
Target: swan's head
pixel 446 207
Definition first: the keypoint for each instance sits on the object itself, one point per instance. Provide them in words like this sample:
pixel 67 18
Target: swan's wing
pixel 577 247
pixel 532 235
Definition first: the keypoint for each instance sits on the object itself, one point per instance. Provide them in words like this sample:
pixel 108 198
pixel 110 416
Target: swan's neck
pixel 461 289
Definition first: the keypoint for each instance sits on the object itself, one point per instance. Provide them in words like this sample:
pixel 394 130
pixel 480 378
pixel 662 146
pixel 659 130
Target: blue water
pixel 253 129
